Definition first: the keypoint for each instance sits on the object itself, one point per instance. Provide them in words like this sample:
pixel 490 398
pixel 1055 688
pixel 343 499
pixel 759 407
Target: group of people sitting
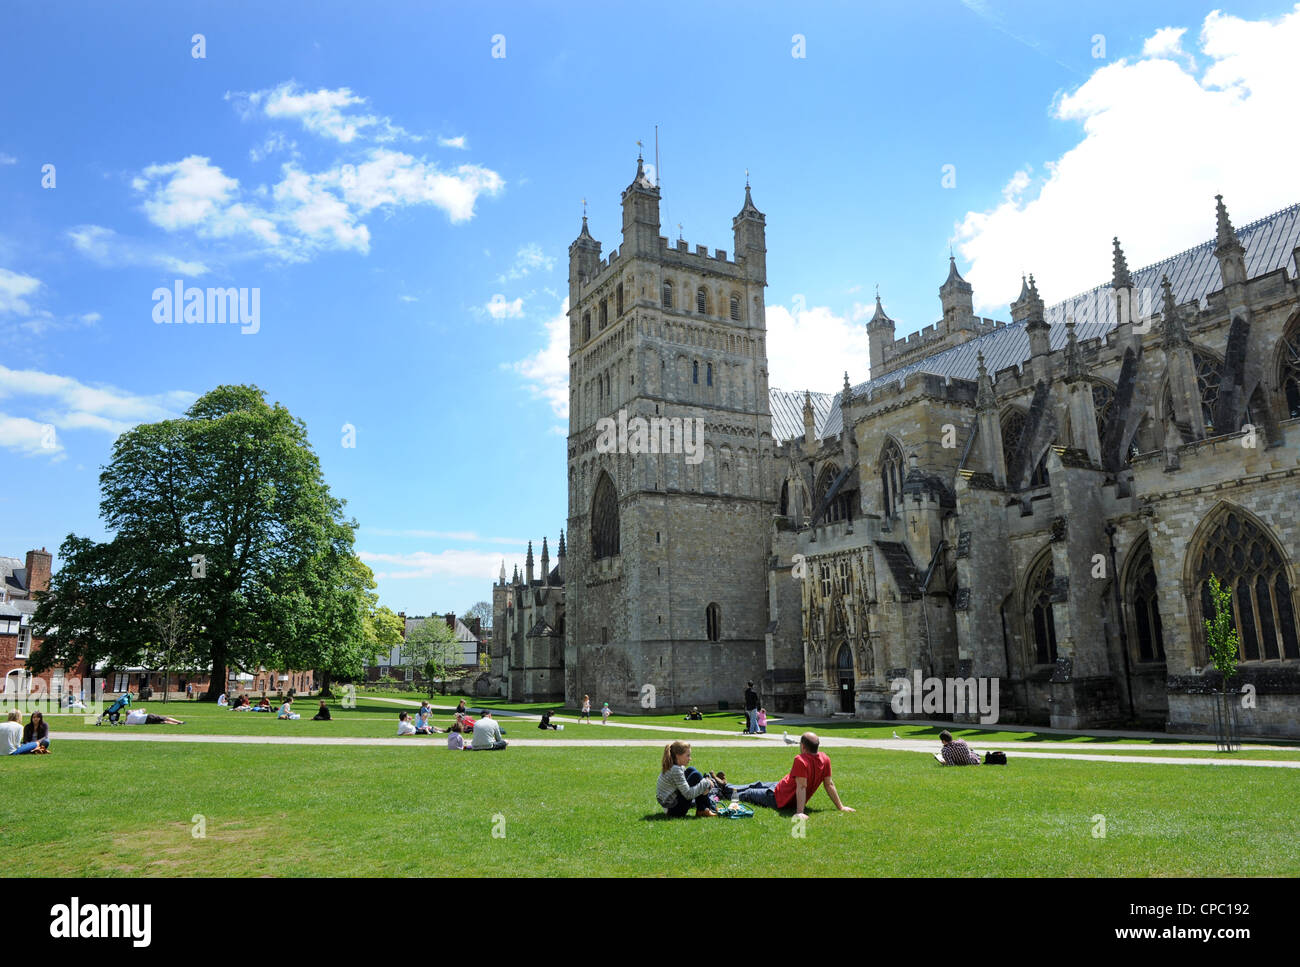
pixel 484 733
pixel 681 786
pixel 34 737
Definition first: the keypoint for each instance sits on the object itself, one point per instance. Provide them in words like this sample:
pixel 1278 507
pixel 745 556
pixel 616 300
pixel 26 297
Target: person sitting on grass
pixel 466 722
pixel 955 752
pixel 322 713
pixel 263 706
pixel 487 734
pixel 286 710
pixel 461 708
pixel 422 724
pixel 36 733
pixel 35 738
pixel 138 716
pixel 456 738
pixel 695 715
pixel 222 702
pixel 546 721
pixel 404 724
pixel 681 785
pixel 426 708
pixel 810 770
pixel 12 727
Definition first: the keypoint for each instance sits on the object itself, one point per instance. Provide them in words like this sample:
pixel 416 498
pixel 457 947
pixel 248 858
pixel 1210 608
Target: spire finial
pixel 1120 277
pixel 1222 223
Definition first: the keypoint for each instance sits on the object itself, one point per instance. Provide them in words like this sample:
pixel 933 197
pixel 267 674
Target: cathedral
pixel 1040 502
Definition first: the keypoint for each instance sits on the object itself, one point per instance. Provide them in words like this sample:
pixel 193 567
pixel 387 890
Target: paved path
pixel 905 745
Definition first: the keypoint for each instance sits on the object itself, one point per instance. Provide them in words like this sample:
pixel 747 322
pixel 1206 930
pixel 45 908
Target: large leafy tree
pixel 226 512
pixel 481 610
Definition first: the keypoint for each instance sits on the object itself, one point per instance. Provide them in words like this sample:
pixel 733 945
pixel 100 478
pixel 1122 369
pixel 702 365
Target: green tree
pixel 432 647
pixel 483 611
pixel 383 630
pixel 227 511
pixel 1221 632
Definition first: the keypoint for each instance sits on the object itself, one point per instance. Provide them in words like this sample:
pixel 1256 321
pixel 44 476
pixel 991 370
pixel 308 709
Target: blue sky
pixel 417 295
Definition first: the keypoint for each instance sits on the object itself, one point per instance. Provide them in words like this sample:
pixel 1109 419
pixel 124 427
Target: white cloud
pixel 105 247
pixel 530 258
pixel 325 112
pixel 306 212
pixel 90 318
pixel 69 404
pixel 457 142
pixel 7 159
pixel 14 291
pixel 408 298
pixel 29 438
pixel 450 563
pixel 499 308
pixel 275 142
pixel 546 372
pixel 800 342
pixel 1158 144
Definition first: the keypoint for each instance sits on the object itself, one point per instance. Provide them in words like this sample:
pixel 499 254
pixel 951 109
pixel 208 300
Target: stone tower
pixel 670 463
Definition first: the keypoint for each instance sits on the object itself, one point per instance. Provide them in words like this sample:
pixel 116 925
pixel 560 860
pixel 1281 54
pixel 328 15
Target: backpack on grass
pixel 995 758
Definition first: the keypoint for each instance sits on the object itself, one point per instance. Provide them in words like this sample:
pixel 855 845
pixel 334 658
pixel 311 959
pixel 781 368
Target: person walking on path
pixel 586 708
pixel 605 713
pixel 751 709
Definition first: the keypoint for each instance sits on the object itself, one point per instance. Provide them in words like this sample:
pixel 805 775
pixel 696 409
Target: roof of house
pixel 1270 245
pixel 13 577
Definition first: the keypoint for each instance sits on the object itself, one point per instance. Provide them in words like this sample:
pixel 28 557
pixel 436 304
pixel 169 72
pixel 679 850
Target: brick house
pixel 22 581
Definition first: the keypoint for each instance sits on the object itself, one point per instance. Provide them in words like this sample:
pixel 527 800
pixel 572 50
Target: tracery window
pixel 1144 608
pixel 1248 562
pixel 701 300
pixel 586 326
pixel 1289 377
pixel 735 308
pixel 1039 618
pixel 891 478
pixel 604 313
pixel 668 295
pixel 619 299
pixel 604 520
pixel 825 572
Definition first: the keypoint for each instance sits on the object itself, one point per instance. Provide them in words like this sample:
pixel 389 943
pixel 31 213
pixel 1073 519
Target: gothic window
pixel 1013 428
pixel 695 371
pixel 845 580
pixel 668 295
pixel 586 326
pixel 825 573
pixel 1144 607
pixel 619 299
pixel 1040 622
pixel 604 313
pixel 604 520
pixel 1248 562
pixel 785 498
pixel 713 621
pixel 1289 375
pixel 891 478
pixel 708 375
pixel 701 300
pixel 1209 374
pixel 735 308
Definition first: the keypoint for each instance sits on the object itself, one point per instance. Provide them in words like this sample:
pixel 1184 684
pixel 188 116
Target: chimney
pixel 38 571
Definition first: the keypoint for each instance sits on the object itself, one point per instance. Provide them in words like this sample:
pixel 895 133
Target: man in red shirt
pixel 810 770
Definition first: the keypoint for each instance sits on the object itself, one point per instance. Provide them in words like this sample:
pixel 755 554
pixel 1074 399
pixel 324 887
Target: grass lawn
pixel 101 809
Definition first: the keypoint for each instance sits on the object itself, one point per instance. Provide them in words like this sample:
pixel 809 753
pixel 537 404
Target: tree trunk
pixel 217 681
pixel 325 684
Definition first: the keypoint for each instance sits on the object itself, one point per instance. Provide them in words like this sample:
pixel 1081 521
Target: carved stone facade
pixel 1030 501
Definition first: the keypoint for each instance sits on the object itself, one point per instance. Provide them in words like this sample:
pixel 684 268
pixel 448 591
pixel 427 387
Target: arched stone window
pixel 785 498
pixel 701 300
pixel 708 375
pixel 1040 623
pixel 667 295
pixel 713 621
pixel 604 520
pixel 1248 562
pixel 1288 379
pixel 695 371
pixel 604 313
pixel 1013 428
pixel 618 296
pixel 1209 374
pixel 735 307
pixel 891 478
pixel 586 326
pixel 1140 595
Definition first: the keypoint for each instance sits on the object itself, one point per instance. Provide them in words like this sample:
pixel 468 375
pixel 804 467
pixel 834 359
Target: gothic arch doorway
pixel 845 679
